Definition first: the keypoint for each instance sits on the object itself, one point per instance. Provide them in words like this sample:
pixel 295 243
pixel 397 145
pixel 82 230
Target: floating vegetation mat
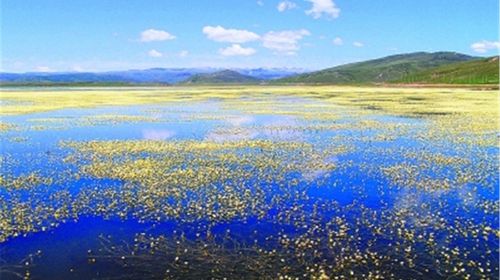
pixel 250 183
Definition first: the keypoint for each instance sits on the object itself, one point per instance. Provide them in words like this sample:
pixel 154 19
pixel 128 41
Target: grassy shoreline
pixel 4 86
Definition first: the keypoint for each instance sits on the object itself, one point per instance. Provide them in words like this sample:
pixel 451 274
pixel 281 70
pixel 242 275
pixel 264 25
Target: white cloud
pixel 286 5
pixel 282 42
pixel 236 50
pixel 338 41
pixel 151 35
pixel 484 46
pixel 183 53
pixel 358 44
pixel 285 42
pixel 155 53
pixel 260 3
pixel 43 69
pixel 221 34
pixel 320 7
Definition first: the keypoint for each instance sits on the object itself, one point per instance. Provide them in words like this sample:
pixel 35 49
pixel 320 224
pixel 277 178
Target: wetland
pixel 249 182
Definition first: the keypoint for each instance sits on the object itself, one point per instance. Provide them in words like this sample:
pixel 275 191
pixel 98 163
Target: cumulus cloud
pixel 323 7
pixel 286 5
pixel 236 50
pixel 151 35
pixel 183 53
pixel 358 44
pixel 484 46
pixel 221 34
pixel 155 53
pixel 284 42
pixel 338 41
pixel 281 42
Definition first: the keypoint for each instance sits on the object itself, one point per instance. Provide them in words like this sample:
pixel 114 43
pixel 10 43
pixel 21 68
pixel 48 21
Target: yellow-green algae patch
pixel 116 119
pixel 62 123
pixel 195 162
pixel 27 181
pixel 4 127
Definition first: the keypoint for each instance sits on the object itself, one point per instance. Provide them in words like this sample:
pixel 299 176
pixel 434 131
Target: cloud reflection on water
pixel 157 134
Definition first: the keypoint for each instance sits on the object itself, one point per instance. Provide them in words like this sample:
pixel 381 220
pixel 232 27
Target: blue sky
pixel 101 35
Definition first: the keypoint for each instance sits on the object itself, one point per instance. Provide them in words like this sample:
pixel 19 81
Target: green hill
pixel 221 77
pixel 380 70
pixel 483 71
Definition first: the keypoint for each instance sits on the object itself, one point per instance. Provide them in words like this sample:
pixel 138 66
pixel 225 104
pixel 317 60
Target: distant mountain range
pixel 147 76
pixel 418 67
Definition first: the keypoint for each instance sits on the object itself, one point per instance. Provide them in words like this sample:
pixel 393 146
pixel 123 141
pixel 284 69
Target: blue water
pixel 64 247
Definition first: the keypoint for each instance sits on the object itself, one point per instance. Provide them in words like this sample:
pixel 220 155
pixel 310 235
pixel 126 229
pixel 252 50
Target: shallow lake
pixel 253 186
